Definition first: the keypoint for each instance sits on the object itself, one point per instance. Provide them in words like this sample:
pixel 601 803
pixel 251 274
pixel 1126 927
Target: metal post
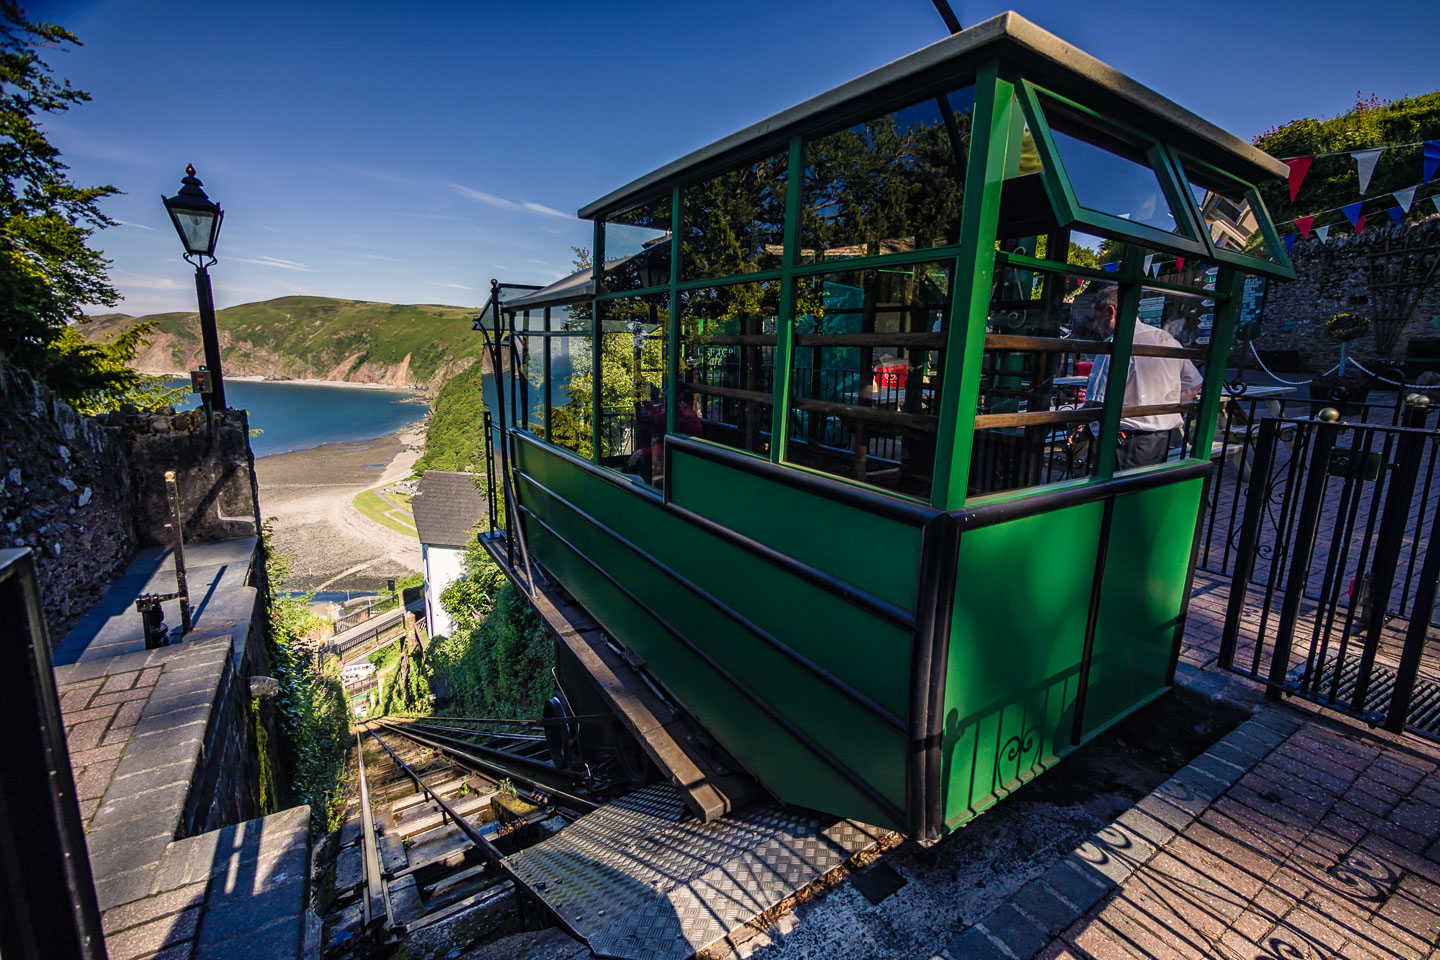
pixel 1304 546
pixel 48 909
pixel 1418 634
pixel 209 334
pixel 1245 554
pixel 173 489
pixel 1409 449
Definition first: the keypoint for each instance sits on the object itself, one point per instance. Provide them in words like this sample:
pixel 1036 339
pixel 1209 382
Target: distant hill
pixel 314 338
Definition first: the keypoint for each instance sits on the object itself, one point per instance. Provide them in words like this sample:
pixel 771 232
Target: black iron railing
pixel 1335 566
pixel 47 893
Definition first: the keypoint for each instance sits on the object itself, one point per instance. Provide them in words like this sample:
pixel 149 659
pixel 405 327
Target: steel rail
pixel 374 878
pixel 459 750
pixel 487 849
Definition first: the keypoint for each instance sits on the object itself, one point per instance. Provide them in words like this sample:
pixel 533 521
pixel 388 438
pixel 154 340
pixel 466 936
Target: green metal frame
pixel 994 149
pixel 1280 268
pixel 1070 212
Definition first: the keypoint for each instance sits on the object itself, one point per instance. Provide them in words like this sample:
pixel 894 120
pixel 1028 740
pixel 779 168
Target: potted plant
pixel 1347 386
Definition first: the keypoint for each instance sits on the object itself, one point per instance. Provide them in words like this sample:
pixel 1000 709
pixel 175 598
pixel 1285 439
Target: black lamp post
pixel 197 219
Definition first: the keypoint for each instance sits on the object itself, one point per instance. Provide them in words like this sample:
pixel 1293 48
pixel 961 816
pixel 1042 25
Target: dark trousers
pixel 1140 448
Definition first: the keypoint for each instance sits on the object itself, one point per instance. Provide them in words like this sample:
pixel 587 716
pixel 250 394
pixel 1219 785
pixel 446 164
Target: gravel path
pixel 309 494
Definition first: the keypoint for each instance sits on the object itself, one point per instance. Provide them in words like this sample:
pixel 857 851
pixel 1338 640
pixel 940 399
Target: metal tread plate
pixel 1423 716
pixel 635 884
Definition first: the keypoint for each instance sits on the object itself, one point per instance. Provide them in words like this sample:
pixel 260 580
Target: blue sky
pixel 410 152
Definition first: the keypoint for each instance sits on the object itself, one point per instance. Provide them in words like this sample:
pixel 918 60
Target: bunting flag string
pixel 1405 197
pixel 1365 161
pixel 1299 166
pixel 1342 153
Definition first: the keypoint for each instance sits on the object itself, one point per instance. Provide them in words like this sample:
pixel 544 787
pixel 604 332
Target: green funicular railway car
pixel 799 440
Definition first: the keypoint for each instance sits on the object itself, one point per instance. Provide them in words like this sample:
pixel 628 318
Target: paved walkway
pixel 1299 835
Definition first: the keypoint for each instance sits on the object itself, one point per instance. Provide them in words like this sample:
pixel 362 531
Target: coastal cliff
pixel 316 338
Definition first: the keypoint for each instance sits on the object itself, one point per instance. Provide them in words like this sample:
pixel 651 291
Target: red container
pixel 892 376
pixel 1082 367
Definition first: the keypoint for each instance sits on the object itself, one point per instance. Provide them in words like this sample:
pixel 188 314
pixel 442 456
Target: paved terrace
pixel 162 752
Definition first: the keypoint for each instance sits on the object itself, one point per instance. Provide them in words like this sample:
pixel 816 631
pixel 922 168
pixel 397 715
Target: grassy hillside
pixel 316 337
pixel 455 438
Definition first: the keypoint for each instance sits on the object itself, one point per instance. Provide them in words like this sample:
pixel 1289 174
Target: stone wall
pixel 84 493
pixel 214 469
pixel 1334 277
pixel 65 492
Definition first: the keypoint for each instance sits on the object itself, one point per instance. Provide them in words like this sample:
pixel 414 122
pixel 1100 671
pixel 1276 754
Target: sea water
pixel 298 416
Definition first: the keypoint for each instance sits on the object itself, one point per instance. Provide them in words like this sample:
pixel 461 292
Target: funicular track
pixel 439 812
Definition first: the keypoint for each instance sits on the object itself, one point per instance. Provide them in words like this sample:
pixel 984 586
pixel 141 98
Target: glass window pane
pixel 727 364
pixel 530 384
pixel 866 375
pixel 890 184
pixel 735 223
pixel 1041 344
pixel 1231 214
pixel 570 393
pixel 632 385
pixel 637 247
pixel 1109 173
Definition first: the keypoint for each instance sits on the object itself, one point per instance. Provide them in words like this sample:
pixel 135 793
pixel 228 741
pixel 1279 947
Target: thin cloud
pixel 125 278
pixel 453 286
pixel 272 262
pixel 137 226
pixel 494 201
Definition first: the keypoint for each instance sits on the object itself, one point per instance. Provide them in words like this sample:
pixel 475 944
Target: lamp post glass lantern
pixel 197 220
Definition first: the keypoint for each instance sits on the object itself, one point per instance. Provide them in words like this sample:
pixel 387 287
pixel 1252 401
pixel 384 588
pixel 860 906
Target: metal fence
pixel 47 893
pixel 1335 567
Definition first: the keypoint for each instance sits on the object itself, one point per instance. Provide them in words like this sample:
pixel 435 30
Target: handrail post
pixel 48 909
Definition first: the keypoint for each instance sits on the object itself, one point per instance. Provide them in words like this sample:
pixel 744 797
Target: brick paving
pixel 1301 834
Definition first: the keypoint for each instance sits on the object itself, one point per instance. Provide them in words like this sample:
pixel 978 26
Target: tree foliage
pixel 455 437
pixel 314 714
pixel 48 271
pixel 497 660
pixel 1332 181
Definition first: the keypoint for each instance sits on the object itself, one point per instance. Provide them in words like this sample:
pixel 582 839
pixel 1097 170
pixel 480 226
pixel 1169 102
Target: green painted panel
pixel 872 656
pixel 1142 598
pixel 876 553
pixel 1017 634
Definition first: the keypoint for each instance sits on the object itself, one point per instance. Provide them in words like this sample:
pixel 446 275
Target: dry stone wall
pixel 1334 277
pixel 65 493
pixel 84 493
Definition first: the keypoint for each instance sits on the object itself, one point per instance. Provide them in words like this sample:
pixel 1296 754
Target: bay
pixel 298 416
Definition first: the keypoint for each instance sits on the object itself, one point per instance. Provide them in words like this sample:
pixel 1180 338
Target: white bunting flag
pixel 1365 165
pixel 1149 258
pixel 1436 200
pixel 1323 233
pixel 1405 198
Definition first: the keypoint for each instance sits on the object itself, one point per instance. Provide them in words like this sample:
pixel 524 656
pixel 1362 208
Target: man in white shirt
pixel 1151 381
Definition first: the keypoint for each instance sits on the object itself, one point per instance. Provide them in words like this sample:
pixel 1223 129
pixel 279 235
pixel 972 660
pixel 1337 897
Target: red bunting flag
pixel 1360 225
pixel 1303 225
pixel 1299 166
pixel 1179 264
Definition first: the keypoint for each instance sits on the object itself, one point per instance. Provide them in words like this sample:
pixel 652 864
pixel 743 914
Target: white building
pixel 448 507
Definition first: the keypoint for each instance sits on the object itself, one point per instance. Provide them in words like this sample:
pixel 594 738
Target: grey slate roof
pixel 447 507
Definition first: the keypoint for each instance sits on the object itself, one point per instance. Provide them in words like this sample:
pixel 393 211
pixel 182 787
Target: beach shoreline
pixel 416 389
pixel 309 494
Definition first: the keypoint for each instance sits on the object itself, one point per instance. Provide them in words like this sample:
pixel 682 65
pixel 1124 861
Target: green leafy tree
pixel 48 271
pixel 496 662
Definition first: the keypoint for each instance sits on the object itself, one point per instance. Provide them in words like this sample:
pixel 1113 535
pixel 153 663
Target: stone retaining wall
pixel 1334 277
